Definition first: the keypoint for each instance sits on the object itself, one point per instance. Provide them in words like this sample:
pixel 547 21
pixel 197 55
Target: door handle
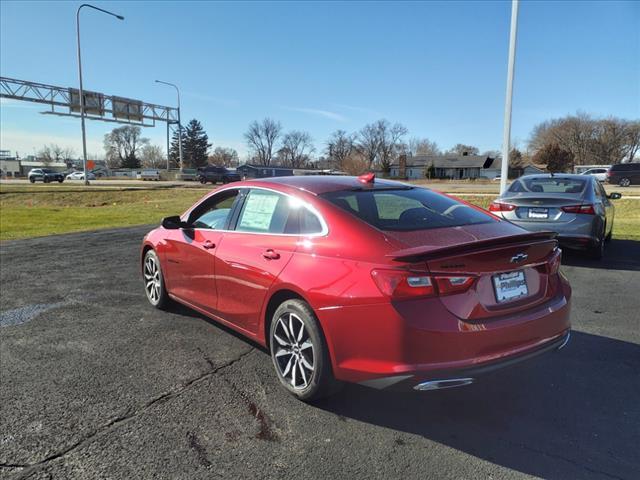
pixel 209 244
pixel 271 255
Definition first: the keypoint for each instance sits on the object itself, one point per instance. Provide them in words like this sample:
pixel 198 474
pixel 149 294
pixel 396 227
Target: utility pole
pixel 81 91
pixel 506 140
pixel 179 124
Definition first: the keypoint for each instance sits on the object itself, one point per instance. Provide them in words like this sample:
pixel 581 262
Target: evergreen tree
pixel 174 149
pixel 195 145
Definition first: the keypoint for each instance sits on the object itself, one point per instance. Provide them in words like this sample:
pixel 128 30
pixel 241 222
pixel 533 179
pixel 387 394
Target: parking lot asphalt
pixel 95 383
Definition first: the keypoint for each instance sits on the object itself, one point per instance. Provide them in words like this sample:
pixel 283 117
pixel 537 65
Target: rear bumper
pixel 577 234
pixel 385 345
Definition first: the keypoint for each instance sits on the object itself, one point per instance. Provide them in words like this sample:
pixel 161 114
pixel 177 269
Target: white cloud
pixel 322 113
pixel 27 143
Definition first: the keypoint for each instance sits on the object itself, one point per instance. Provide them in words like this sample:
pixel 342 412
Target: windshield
pixel 47 170
pixel 548 185
pixel 406 209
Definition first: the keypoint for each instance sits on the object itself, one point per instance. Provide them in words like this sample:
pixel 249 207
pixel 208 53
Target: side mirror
pixel 614 196
pixel 173 223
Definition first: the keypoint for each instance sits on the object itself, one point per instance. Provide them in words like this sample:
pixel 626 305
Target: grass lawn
pixel 38 210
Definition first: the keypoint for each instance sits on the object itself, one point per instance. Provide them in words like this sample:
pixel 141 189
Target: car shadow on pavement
pixel 619 255
pixel 569 414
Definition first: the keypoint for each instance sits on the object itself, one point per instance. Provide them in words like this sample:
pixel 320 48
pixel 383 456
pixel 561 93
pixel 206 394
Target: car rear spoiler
pixel 429 253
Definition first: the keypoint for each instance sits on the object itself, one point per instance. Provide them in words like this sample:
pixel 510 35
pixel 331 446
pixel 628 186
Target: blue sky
pixel 439 68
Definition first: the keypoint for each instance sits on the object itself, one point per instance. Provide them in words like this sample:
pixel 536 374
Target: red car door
pixel 252 256
pixel 190 252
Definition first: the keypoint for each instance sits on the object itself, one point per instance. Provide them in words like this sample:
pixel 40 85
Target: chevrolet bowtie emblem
pixel 520 257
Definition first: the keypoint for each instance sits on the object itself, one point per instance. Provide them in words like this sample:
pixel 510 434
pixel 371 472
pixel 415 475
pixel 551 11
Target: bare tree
pixel 224 157
pixel 633 140
pixel 339 146
pixel 462 149
pixel 356 163
pixel 390 142
pixel 590 140
pixel 54 153
pixel 421 146
pixel 369 143
pixel 123 144
pixel 261 138
pixel 152 156
pixel 296 148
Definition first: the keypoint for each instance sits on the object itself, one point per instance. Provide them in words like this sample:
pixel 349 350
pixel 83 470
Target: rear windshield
pixel 406 209
pixel 548 185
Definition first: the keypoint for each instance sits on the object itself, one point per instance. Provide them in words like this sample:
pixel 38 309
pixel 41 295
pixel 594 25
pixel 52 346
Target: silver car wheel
pixel 625 182
pixel 294 354
pixel 152 281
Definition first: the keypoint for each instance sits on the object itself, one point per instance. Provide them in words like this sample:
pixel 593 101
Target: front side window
pixel 214 212
pixel 548 185
pixel 406 209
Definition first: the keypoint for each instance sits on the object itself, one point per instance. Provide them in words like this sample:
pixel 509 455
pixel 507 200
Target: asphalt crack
pixel 132 413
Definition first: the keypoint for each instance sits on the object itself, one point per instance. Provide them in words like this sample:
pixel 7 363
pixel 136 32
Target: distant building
pixel 9 165
pixel 444 166
pixel 495 169
pixel 260 171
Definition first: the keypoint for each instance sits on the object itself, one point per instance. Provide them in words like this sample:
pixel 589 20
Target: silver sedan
pixel 575 206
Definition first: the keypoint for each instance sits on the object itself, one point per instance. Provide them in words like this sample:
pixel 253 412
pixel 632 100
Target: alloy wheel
pixel 625 182
pixel 152 280
pixel 294 353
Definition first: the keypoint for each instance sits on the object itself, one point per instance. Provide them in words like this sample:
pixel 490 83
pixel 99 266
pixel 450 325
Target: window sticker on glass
pixel 258 211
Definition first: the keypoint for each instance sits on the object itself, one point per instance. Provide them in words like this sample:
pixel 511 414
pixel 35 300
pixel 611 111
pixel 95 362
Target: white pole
pixel 506 147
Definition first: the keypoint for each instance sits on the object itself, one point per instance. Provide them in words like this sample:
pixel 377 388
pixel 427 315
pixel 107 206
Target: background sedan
pixel 575 206
pixel 80 176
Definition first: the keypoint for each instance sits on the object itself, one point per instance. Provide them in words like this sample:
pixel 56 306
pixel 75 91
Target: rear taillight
pixel 400 284
pixel 584 209
pixel 501 207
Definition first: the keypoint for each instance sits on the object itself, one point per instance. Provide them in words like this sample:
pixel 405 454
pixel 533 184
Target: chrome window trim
pixel 323 233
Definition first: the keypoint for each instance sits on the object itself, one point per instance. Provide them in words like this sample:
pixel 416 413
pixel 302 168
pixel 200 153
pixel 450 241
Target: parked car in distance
pixel 599 173
pixel 576 207
pixel 80 176
pixel 187 174
pixel 624 174
pixel 45 175
pixel 215 174
pixel 361 280
pixel 149 174
pixel 497 178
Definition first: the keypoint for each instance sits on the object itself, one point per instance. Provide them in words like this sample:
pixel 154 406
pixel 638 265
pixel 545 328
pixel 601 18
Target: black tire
pixel 159 298
pixel 597 251
pixel 609 235
pixel 60 180
pixel 321 382
pixel 624 182
pixel 225 180
pixel 45 180
pixel 32 179
pixel 203 180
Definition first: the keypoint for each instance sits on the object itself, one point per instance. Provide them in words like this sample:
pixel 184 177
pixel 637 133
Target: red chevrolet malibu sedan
pixel 362 280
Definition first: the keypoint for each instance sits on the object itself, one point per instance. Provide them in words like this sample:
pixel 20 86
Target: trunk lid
pixel 498 263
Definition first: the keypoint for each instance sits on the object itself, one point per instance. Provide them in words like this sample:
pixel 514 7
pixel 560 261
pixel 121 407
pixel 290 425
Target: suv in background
pixel 45 175
pixel 624 174
pixel 214 174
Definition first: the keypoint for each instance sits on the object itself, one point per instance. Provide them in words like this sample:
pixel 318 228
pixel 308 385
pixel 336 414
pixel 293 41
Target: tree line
pixel 558 143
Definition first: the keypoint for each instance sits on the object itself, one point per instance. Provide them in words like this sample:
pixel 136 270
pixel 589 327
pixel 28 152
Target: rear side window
pixel 265 211
pixel 548 185
pixel 407 209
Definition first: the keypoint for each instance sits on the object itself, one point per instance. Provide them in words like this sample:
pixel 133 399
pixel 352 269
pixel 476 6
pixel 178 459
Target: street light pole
pixel 81 91
pixel 504 172
pixel 179 124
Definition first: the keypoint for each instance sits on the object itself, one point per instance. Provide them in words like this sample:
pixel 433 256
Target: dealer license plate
pixel 538 213
pixel 509 286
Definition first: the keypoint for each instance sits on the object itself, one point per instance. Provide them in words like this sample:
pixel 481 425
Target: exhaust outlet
pixel 442 384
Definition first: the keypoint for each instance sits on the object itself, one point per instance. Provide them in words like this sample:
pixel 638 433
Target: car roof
pixel 569 176
pixel 319 184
